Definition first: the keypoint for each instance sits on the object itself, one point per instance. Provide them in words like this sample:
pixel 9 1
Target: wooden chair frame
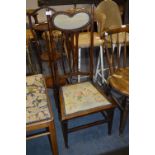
pixel 106 111
pixel 117 70
pixel 37 29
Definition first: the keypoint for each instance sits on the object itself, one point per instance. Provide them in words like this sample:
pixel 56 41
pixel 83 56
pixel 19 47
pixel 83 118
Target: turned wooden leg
pixel 110 114
pixel 65 133
pixel 124 115
pixel 53 138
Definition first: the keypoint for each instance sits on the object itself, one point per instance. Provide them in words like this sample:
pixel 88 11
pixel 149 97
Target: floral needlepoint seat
pixel 36 99
pixel 82 96
pixel 39 113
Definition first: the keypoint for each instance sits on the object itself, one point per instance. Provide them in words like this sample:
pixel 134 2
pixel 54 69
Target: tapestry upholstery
pixel 82 96
pixel 36 99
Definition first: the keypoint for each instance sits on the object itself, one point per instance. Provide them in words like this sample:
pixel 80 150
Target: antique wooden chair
pixel 38 110
pixel 118 63
pixel 79 99
pixel 39 26
pixel 113 20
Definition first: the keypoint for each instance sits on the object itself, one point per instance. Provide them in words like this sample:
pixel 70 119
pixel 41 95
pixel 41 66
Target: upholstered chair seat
pixel 82 96
pixel 36 99
pixel 39 115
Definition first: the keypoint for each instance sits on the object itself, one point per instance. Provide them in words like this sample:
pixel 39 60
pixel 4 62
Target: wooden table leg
pixel 124 115
pixel 53 138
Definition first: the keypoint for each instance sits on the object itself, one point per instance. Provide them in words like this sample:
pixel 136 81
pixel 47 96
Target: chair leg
pixel 110 114
pixel 56 97
pixel 65 132
pixel 102 64
pixel 124 115
pixel 79 63
pixel 53 138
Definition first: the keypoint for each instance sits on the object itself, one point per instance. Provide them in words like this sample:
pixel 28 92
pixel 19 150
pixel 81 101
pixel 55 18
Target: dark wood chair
pixel 39 26
pixel 118 64
pixel 83 98
pixel 38 110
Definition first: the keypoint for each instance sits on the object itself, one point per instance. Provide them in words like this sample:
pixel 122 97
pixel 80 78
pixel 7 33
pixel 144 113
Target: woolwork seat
pixel 82 96
pixel 38 110
pixel 36 99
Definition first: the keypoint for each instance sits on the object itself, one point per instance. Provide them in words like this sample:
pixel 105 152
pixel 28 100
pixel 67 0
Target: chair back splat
pixel 120 38
pixel 71 24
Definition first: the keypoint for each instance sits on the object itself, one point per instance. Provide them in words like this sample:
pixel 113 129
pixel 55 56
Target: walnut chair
pixel 118 78
pixel 38 110
pixel 79 99
pixel 39 26
pixel 113 20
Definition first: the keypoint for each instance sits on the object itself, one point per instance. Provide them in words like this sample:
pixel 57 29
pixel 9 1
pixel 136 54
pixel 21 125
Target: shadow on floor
pixel 121 151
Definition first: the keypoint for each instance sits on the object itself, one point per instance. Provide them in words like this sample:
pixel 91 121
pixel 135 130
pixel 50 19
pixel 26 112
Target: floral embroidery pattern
pixel 81 97
pixel 36 99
